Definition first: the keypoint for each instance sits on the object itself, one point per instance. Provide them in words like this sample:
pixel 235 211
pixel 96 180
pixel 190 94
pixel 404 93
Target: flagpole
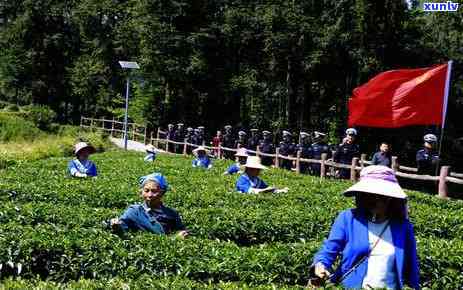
pixel 444 111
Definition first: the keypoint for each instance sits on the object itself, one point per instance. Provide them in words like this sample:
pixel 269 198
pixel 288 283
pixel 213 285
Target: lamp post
pixel 127 65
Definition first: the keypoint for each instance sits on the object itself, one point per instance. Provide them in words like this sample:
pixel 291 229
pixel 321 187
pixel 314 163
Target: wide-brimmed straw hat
pixel 200 148
pixel 150 148
pixel 83 145
pixel 377 179
pixel 242 152
pixel 254 162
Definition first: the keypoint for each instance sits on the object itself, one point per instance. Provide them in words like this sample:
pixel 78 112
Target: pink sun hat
pixel 377 179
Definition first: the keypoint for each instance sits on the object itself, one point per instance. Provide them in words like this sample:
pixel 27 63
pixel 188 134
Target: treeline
pixel 270 64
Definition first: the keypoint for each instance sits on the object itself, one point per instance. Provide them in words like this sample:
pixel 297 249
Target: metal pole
pixel 126 112
pixel 444 113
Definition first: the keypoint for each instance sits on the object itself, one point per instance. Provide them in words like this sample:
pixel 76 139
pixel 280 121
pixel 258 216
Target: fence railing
pixel 327 166
pixel 135 132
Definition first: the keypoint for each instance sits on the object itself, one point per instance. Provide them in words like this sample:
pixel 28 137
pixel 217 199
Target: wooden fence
pixel 327 166
pixel 135 132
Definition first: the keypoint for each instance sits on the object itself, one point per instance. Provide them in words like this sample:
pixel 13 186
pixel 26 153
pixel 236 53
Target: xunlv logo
pixel 440 7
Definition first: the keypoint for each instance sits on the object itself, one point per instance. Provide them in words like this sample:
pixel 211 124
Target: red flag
pixel 402 97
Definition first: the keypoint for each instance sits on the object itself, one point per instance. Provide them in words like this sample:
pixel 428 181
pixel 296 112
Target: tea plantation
pixel 51 233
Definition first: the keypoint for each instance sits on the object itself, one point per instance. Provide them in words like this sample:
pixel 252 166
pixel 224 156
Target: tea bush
pixel 51 229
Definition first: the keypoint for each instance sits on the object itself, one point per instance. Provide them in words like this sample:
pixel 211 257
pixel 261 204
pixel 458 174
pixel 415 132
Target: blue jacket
pixel 163 220
pixel 349 237
pixel 245 183
pixel 204 162
pixel 234 168
pixel 87 167
pixel 150 157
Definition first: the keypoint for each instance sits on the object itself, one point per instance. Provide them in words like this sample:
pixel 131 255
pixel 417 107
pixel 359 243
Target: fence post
pixel 298 161
pixel 91 125
pixel 394 164
pixel 277 163
pixel 112 128
pixel 353 172
pixel 144 137
pixel 133 132
pixel 443 190
pixel 184 148
pixel 81 120
pixel 167 142
pixel 157 139
pixel 258 151
pixel 323 165
pixel 363 158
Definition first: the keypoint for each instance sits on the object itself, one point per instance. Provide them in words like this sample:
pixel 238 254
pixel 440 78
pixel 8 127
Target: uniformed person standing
pixel 306 151
pixel 346 151
pixel 266 146
pixel 318 148
pixel 200 136
pixel 179 137
pixel 189 138
pixel 241 142
pixel 286 148
pixel 229 142
pixel 196 137
pixel 427 159
pixel 253 141
pixel 170 136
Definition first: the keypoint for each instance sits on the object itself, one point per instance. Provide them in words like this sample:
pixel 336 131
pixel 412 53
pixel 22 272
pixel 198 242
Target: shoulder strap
pixel 343 277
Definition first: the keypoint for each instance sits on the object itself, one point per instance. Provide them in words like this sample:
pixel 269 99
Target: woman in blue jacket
pixel 151 215
pixel 242 156
pixel 81 166
pixel 202 159
pixel 150 153
pixel 375 240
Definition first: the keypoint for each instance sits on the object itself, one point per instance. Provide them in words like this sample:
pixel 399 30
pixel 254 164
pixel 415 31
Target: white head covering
pixel 150 148
pixel 242 152
pixel 200 148
pixel 254 162
pixel 351 131
pixel 430 138
pixel 82 145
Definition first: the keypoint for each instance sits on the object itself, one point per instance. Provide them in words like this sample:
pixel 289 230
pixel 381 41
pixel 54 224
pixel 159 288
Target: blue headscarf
pixel 156 177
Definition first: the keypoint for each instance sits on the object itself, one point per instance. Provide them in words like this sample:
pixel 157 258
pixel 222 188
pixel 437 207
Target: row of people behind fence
pixel 375 239
pixel 311 146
